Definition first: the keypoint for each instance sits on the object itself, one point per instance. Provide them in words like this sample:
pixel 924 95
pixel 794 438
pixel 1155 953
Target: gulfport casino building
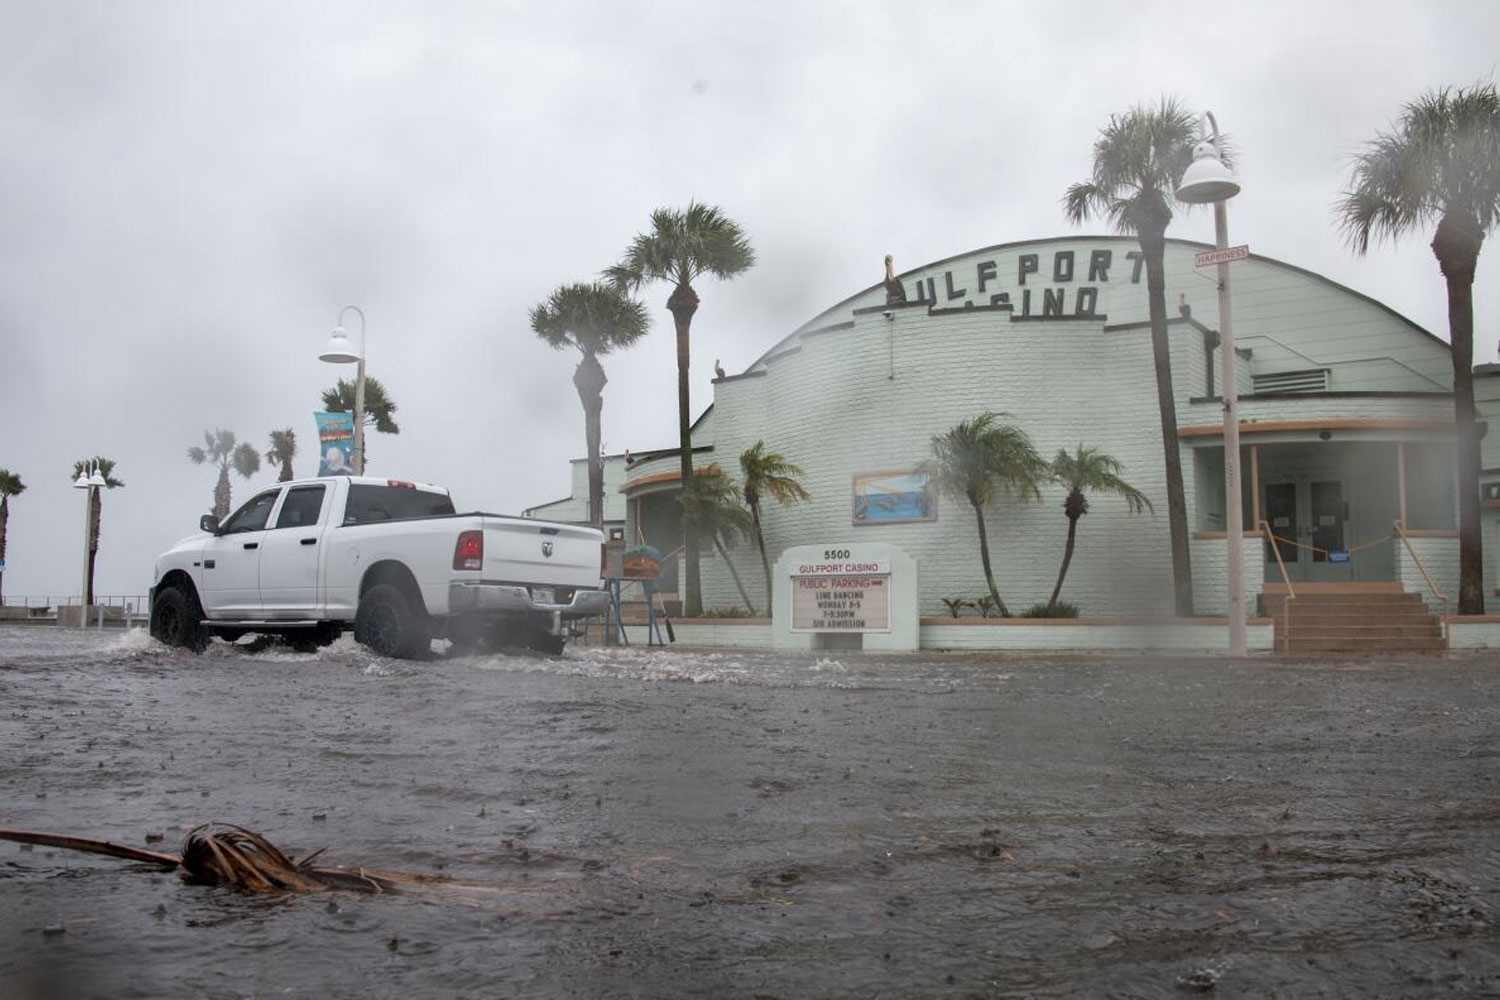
pixel 1346 429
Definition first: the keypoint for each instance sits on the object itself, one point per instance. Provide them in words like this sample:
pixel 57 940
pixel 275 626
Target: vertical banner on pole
pixel 335 443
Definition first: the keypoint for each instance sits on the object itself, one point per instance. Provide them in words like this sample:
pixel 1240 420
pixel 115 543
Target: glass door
pixel 1308 517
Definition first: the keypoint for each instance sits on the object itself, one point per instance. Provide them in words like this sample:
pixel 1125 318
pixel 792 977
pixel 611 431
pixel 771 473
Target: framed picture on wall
pixel 893 497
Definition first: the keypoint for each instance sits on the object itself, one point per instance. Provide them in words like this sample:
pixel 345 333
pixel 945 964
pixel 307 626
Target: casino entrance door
pixel 1310 518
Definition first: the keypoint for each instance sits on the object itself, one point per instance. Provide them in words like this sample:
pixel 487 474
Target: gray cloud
pixel 189 193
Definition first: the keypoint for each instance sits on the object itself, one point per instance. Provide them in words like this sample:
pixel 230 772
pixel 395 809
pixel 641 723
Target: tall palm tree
pixel 106 468
pixel 1088 470
pixel 712 504
pixel 283 450
pixel 768 474
pixel 1441 164
pixel 1139 158
pixel 682 246
pixel 978 459
pixel 10 485
pixel 220 449
pixel 595 319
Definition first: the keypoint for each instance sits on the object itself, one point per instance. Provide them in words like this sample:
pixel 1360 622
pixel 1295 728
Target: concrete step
pixel 1341 617
pixel 1319 645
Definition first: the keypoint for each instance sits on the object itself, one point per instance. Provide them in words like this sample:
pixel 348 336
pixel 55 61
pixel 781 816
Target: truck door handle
pixel 252 545
pixel 309 541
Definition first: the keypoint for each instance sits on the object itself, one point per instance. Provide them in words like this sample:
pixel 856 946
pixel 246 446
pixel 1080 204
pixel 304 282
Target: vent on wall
pixel 1310 380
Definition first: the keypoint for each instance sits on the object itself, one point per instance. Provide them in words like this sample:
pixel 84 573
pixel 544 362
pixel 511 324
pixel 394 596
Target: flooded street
pixel 665 823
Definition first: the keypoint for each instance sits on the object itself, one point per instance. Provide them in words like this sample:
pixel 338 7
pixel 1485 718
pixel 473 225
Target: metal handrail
pixel 1291 592
pixel 1401 530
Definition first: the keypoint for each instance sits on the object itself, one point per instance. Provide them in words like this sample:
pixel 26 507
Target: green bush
pixel 1061 609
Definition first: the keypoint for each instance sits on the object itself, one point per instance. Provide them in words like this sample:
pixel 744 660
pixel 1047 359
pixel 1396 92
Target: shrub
pixel 1058 609
pixel 956 604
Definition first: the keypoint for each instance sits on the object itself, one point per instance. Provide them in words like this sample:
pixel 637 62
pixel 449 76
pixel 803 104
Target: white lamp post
pixel 89 480
pixel 1206 180
pixel 340 351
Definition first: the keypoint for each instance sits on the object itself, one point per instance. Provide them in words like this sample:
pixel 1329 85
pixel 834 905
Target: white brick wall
pixel 1211 574
pixel 1440 557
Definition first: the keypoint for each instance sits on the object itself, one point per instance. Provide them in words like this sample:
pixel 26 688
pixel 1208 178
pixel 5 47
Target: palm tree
pixel 978 459
pixel 379 407
pixel 681 247
pixel 220 449
pixel 768 474
pixel 595 319
pixel 10 485
pixel 106 468
pixel 1138 161
pixel 1088 470
pixel 1441 164
pixel 711 504
pixel 283 449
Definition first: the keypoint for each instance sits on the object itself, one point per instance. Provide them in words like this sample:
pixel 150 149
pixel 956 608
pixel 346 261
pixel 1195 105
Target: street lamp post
pixel 340 351
pixel 1209 180
pixel 89 480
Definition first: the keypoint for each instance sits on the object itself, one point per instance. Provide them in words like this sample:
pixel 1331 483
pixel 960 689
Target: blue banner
pixel 335 443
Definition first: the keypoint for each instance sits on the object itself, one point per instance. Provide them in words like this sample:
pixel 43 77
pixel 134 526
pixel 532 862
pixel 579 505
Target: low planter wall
pixel 1474 632
pixel 1047 634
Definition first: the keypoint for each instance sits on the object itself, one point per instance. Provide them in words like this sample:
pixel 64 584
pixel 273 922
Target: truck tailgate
pixel 518 549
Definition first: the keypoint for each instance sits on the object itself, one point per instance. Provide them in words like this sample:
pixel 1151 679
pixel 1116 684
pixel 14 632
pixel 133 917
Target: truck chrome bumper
pixel 504 597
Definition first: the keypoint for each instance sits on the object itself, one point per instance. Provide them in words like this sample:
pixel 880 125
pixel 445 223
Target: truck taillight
pixel 469 552
pixel 603 560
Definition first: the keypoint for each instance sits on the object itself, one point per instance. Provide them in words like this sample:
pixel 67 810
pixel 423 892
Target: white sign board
pixel 1241 252
pixel 842 595
pixel 831 603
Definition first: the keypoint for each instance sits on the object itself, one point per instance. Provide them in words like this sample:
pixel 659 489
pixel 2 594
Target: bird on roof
pixel 895 292
pixel 718 369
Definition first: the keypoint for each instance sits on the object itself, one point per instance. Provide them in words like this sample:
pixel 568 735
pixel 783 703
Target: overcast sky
pixel 190 192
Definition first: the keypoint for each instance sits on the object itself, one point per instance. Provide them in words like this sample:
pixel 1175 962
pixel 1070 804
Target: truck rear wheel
pixel 177 620
pixel 387 623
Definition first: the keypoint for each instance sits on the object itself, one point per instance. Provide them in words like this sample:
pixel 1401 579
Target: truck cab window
pixel 252 516
pixel 301 506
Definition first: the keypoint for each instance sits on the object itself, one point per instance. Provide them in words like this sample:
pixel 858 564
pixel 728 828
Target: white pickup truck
pixel 308 558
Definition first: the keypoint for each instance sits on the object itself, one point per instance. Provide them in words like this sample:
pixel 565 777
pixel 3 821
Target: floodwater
pixel 677 823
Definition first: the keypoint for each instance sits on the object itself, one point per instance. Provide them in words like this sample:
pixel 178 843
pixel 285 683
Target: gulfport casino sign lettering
pixel 1062 284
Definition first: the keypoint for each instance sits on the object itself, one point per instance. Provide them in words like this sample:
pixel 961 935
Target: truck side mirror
pixel 209 523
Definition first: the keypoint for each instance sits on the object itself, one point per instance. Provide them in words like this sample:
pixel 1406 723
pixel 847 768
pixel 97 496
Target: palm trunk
pixel 221 493
pixel 286 470
pixel 719 547
pixel 1457 249
pixel 760 543
pixel 1153 246
pixel 683 303
pixel 96 512
pixel 1067 558
pixel 984 557
pixel 4 524
pixel 589 380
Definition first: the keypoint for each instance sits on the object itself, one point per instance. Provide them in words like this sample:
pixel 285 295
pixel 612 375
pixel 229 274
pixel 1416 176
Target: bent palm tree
pixel 1088 470
pixel 980 458
pixel 106 468
pixel 220 449
pixel 283 449
pixel 711 503
pixel 1442 164
pixel 768 474
pixel 10 485
pixel 1138 162
pixel 595 319
pixel 681 247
